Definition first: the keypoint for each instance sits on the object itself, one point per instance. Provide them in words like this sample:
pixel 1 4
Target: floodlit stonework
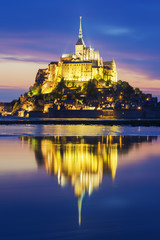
pixel 81 66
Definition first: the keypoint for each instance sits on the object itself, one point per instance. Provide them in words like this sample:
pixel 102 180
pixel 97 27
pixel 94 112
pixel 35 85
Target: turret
pixel 113 63
pixel 114 71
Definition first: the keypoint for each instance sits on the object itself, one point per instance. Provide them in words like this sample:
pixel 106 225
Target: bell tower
pixel 80 45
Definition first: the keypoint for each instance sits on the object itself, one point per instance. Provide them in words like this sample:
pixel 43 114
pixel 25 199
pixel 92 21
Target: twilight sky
pixel 35 32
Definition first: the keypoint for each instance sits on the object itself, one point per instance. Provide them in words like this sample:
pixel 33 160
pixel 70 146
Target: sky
pixel 35 32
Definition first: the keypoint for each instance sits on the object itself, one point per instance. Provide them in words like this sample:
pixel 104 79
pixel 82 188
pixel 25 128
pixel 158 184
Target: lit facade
pixel 83 65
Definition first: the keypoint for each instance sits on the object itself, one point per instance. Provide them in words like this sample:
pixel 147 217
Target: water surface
pixel 75 130
pixel 79 187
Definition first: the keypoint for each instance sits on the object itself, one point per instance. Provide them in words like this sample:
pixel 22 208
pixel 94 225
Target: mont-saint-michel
pixel 83 65
pixel 82 85
pixel 80 133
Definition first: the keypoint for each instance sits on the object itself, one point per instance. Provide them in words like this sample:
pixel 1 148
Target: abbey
pixel 81 66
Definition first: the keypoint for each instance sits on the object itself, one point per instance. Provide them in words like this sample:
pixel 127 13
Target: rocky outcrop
pixel 41 76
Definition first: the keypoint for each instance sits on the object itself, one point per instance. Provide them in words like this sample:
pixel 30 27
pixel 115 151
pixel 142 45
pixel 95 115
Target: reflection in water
pixel 82 161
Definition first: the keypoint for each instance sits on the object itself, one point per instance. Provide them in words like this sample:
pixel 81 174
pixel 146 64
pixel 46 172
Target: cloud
pixel 137 61
pixel 140 79
pixel 137 78
pixel 23 53
pixel 33 46
pixel 33 59
pixel 115 30
pixel 18 74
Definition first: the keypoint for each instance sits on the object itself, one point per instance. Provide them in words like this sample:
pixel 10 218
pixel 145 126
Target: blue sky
pixel 35 32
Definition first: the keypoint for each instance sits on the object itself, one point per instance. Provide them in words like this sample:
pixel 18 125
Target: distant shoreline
pixel 118 122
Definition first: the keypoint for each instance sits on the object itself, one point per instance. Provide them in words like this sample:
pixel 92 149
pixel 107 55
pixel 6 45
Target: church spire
pixel 80 38
pixel 80 28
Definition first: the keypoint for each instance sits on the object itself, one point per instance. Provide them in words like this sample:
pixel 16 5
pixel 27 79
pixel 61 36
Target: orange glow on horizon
pixel 18 74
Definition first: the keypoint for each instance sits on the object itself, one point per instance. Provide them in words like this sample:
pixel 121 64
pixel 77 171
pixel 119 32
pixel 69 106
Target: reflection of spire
pixel 80 199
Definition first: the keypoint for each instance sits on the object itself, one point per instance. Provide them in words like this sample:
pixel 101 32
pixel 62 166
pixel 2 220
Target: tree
pixel 128 88
pixel 137 91
pixel 119 82
pixel 16 105
pixel 91 89
pixel 35 90
pixel 61 86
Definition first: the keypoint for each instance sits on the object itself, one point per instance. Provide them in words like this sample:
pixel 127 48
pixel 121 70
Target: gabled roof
pixel 80 42
pixel 105 63
pixel 54 63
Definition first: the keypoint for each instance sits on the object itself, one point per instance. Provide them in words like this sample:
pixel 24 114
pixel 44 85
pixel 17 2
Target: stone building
pixel 83 65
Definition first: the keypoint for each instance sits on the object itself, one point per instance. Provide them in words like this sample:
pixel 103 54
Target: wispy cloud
pixel 137 61
pixel 115 30
pixel 140 79
pixel 24 58
pixel 137 78
pixel 41 47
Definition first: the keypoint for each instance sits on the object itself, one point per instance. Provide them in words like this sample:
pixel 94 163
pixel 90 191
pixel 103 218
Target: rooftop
pixel 80 42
